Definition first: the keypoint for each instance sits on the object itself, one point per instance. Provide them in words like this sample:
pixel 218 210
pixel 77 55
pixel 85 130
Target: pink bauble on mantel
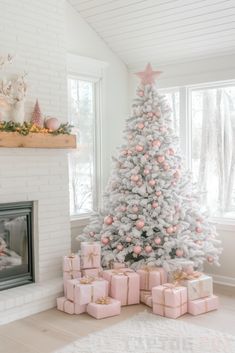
pixel 104 241
pixel 52 124
pixel 134 177
pixel 137 249
pixel 139 148
pixel 119 247
pixel 148 249
pixel 160 159
pixel 108 220
pixel 179 252
pixel 140 224
pixel 157 240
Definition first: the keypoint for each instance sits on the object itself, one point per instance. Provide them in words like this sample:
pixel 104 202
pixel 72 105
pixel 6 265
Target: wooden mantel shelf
pixel 36 140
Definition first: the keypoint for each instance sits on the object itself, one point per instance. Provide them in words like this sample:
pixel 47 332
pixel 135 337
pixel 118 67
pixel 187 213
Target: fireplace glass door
pixel 16 244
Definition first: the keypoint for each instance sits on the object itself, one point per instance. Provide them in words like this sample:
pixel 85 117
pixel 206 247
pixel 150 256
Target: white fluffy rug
pixel 148 333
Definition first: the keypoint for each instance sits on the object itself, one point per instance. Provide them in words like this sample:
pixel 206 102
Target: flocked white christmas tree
pixel 151 212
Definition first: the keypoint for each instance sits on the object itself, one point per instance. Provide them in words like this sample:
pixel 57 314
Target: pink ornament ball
pixel 134 178
pixel 150 114
pixel 166 166
pixel 160 159
pixel 171 151
pixel 140 126
pixel 128 239
pixel 156 143
pixel 179 252
pixel 108 220
pixel 119 247
pixel 169 230
pixel 146 171
pixel 152 182
pixel 157 241
pixel 198 229
pixel 139 148
pixel 146 156
pixel 105 241
pixel 52 124
pixel 148 249
pixel 210 259
pixel 135 209
pixel 177 174
pixel 154 204
pixel 137 249
pixel 123 208
pixel 140 224
pixel 158 193
pixel 140 93
pixel 92 234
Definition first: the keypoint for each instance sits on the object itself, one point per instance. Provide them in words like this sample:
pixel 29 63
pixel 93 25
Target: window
pixel 207 131
pixel 172 96
pixel 82 94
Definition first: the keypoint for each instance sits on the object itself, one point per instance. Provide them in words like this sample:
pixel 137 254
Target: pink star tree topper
pixel 148 76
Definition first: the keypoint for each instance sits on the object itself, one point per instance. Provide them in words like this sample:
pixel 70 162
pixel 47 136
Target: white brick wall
pixel 34 31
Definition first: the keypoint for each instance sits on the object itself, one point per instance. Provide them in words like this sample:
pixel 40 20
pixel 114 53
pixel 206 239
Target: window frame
pixel 97 151
pixel 185 130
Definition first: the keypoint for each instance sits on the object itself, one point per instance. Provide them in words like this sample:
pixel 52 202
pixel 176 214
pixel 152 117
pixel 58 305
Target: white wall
pixel 202 71
pixel 82 40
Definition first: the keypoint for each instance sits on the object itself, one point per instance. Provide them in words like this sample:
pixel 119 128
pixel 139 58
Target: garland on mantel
pixel 26 128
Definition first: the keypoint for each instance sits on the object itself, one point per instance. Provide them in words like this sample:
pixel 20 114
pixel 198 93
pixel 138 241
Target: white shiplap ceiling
pixel 162 31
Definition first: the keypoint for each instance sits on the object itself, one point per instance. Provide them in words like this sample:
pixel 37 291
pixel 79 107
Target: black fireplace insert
pixel 16 244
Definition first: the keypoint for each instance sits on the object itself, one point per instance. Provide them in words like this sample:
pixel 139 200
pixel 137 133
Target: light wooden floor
pixel 52 330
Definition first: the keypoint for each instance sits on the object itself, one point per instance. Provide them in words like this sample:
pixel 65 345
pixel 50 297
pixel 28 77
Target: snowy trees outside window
pixel 207 132
pixel 81 108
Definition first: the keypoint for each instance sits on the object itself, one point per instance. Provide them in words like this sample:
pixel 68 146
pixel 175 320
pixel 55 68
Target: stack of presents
pixel 101 293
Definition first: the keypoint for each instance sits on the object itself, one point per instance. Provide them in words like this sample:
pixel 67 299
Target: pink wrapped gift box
pixel 124 285
pixel 100 311
pixel 84 291
pixel 151 277
pixel 63 304
pixel 203 305
pixel 146 297
pixel 90 255
pixel 169 300
pixel 71 262
pixel 92 272
pixel 199 287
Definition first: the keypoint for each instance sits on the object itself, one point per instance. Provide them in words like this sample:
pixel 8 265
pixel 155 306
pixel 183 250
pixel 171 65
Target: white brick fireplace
pixel 33 31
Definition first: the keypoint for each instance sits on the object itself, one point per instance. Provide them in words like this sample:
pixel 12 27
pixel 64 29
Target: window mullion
pixel 185 126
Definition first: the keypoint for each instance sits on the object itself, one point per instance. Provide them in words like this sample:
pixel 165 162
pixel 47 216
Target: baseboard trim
pixel 226 281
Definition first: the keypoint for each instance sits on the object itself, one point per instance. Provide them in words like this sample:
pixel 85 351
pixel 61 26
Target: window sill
pixel 224 223
pixel 80 221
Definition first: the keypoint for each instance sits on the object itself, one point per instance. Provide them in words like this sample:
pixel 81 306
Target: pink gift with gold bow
pixel 169 300
pixel 90 255
pixel 151 277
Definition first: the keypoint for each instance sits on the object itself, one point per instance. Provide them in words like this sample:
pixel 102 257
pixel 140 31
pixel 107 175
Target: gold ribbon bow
pixel 86 280
pixel 103 300
pixel 181 276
